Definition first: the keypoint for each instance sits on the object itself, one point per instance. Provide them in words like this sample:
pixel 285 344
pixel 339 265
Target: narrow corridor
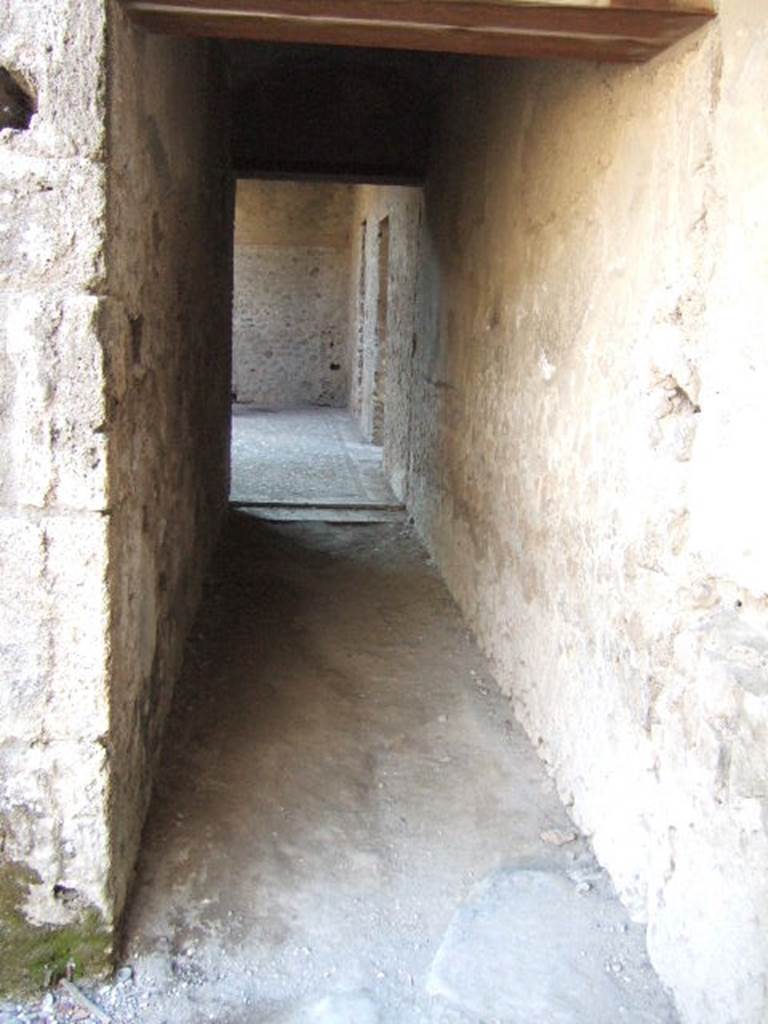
pixel 341 730
pixel 348 824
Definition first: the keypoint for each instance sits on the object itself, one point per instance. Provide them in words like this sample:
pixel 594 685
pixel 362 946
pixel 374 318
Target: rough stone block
pixel 23 646
pixel 59 48
pixel 77 576
pixel 54 628
pixel 52 405
pixel 54 906
pixel 31 955
pixel 52 223
pixel 54 822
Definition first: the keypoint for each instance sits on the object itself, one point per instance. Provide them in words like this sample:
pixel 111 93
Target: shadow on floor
pixel 340 778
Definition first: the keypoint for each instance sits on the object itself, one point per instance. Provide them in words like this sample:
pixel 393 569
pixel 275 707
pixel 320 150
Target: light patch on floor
pixel 312 455
pixel 530 946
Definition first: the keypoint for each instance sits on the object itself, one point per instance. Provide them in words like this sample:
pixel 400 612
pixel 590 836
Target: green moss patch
pixel 31 955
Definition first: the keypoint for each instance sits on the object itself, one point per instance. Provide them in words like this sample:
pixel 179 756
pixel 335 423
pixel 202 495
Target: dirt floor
pixel 349 827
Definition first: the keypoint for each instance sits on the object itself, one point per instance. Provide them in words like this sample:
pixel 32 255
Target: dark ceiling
pixel 332 112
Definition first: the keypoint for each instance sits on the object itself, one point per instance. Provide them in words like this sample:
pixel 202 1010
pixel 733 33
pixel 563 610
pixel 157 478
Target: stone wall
pixel 169 330
pixel 292 262
pixel 589 413
pixel 113 424
pixel 54 614
pixel 385 249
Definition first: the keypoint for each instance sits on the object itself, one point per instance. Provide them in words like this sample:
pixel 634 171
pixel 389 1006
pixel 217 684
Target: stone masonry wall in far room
pixel 290 323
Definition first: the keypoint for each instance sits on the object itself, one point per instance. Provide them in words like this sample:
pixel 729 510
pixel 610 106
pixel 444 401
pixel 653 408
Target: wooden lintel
pixel 609 30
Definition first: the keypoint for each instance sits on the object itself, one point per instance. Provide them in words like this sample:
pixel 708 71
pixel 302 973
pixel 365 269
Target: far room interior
pixel 310 332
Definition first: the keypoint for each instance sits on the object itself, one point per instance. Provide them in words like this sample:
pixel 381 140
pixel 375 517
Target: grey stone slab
pixel 529 948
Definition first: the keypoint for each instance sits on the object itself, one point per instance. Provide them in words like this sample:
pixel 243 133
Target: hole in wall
pixel 64 894
pixel 137 337
pixel 17 104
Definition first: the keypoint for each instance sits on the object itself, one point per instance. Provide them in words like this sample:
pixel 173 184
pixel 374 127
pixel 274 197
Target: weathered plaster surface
pixel 113 418
pixel 384 383
pixel 168 328
pixel 54 778
pixel 589 413
pixel 292 261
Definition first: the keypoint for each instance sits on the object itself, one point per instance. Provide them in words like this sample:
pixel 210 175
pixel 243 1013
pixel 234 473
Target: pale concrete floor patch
pixel 306 456
pixel 531 947
pixel 340 1008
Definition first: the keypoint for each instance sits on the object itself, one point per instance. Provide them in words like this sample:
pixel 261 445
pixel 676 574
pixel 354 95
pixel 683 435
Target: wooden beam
pixel 611 30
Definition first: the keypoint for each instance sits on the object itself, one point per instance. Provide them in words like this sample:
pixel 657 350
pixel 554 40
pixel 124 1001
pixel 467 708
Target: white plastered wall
pixel 589 419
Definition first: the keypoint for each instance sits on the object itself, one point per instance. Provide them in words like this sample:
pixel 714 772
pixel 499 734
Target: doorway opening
pixel 311 312
pixel 379 840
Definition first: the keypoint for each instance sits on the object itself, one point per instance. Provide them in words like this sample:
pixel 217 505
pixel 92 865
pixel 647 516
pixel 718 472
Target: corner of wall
pixel 54 876
pixel 167 330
